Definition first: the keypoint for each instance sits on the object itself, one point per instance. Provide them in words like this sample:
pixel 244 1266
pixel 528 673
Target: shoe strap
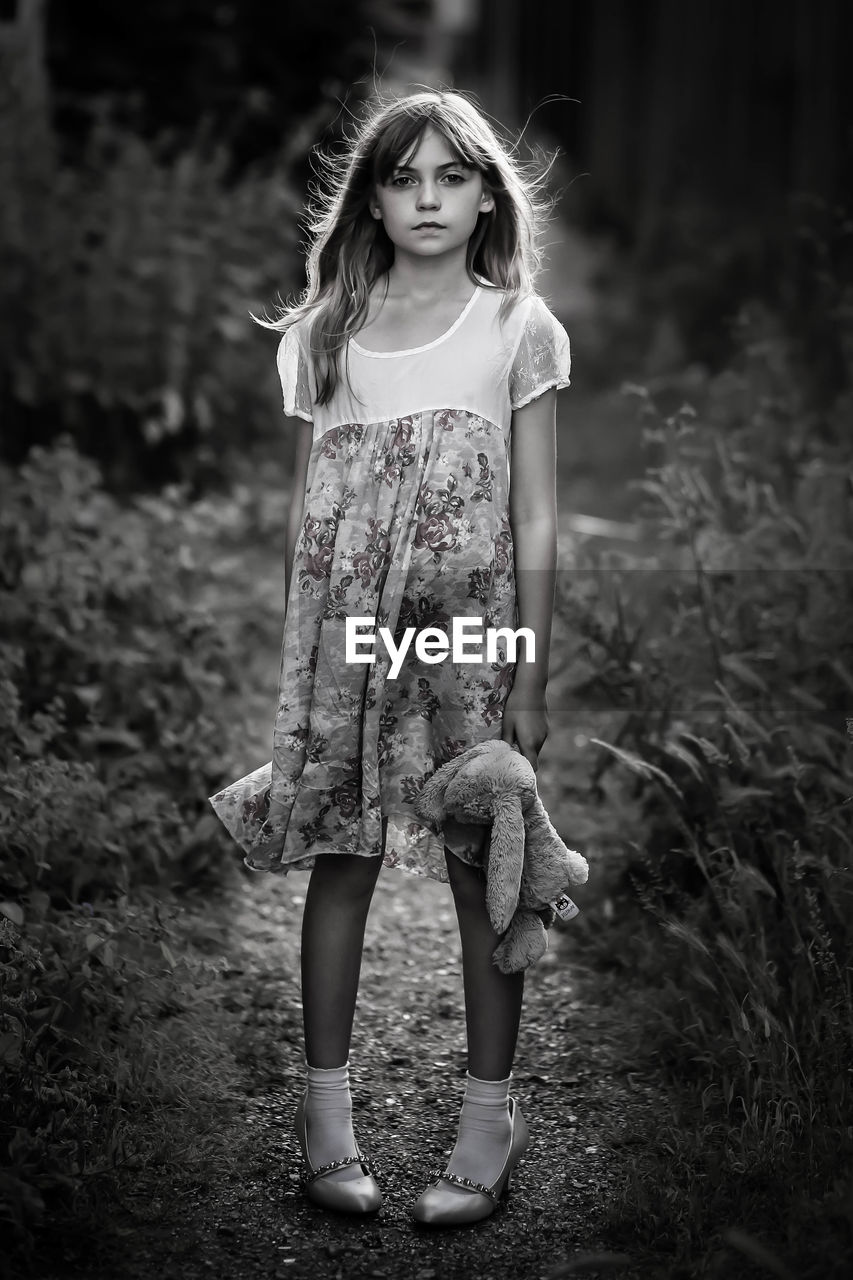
pixel 309 1175
pixel 468 1183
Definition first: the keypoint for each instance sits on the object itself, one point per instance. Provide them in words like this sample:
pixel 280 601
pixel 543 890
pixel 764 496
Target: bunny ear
pixel 505 863
pixel 429 802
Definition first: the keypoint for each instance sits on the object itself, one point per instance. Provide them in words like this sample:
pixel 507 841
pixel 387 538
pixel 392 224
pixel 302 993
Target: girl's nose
pixel 428 198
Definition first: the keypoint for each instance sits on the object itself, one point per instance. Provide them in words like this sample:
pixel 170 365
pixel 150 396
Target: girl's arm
pixel 304 432
pixel 533 519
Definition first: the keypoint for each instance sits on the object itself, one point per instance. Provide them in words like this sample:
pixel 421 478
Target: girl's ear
pixel 375 211
pixel 487 201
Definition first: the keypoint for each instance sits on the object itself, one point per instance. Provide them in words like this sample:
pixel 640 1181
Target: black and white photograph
pixel 426 656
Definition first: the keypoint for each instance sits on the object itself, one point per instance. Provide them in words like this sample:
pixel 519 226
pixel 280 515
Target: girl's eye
pixel 404 179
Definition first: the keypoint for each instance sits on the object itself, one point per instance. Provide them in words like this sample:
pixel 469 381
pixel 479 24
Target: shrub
pixel 110 683
pixel 91 1059
pixel 729 649
pixel 112 721
pixel 794 266
pixel 126 288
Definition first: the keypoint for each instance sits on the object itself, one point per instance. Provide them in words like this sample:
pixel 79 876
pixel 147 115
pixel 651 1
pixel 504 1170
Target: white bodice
pixel 482 364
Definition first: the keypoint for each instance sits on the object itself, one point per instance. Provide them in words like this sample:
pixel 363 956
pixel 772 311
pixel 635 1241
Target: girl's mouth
pixel 430 226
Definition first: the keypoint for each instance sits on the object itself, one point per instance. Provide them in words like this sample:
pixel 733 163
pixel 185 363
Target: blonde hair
pixel 350 250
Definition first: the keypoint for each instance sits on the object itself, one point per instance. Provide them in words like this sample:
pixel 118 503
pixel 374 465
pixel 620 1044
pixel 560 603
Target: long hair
pixel 350 250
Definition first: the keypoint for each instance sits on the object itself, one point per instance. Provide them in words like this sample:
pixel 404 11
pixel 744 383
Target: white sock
pixel 328 1120
pixel 484 1134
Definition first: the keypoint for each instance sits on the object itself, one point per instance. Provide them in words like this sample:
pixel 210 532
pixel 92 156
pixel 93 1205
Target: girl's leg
pixel 339 895
pixel 336 906
pixel 492 999
pixel 493 1003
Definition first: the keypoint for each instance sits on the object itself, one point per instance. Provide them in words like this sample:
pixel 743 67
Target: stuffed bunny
pixel 527 865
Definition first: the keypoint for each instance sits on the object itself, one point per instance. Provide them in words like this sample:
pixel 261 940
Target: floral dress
pixel 405 524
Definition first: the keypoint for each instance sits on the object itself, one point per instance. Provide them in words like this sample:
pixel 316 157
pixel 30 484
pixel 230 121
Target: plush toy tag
pixel 565 908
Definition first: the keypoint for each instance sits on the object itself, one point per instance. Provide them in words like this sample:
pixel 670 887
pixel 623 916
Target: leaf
pixel 751 875
pixel 710 752
pixel 806 699
pixel 638 765
pixel 679 753
pixel 12 793
pixel 39 902
pixel 743 752
pixel 10 1047
pixel 741 716
pixel 757 1252
pixel 843 674
pixel 88 693
pixel 733 797
pixel 13 912
pixel 734 662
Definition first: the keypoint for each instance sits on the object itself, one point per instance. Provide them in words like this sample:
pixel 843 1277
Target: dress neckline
pixel 427 346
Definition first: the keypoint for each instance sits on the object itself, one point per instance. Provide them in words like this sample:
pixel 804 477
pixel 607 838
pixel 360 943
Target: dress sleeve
pixel 294 374
pixel 542 356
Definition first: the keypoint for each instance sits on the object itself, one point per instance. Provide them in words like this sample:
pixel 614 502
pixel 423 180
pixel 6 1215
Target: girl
pixel 419 366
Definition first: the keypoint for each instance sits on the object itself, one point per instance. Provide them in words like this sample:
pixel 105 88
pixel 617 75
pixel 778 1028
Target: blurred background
pixel 154 162
pixel 154 165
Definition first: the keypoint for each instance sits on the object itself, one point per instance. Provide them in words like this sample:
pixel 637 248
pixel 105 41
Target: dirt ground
pixel 590 1106
pixel 588 1090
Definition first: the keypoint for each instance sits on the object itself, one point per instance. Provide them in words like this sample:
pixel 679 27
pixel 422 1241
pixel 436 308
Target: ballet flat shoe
pixel 359 1195
pixel 438 1207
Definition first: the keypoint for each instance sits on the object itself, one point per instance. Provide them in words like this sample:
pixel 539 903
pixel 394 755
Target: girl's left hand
pixel 525 721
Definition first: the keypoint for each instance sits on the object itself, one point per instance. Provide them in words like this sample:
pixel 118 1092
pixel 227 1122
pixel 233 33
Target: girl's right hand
pixel 525 721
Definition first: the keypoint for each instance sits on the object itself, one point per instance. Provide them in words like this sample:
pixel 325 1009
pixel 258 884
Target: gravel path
pixel 232 1207
pixel 576 1077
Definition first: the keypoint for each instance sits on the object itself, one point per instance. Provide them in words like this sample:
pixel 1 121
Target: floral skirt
pixel 405 523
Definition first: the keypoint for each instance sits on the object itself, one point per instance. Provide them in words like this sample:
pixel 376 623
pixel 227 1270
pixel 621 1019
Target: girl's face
pixel 431 202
